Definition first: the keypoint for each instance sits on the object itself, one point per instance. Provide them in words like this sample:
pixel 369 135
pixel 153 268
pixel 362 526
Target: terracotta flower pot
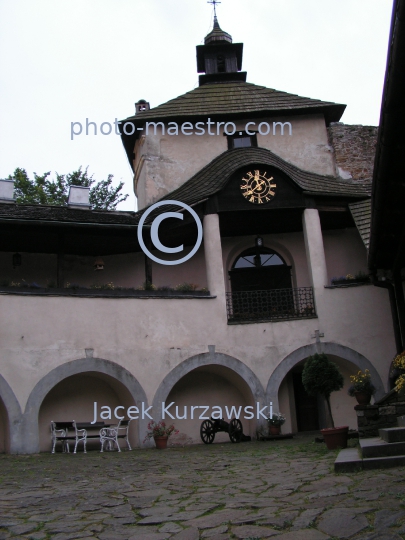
pixel 363 398
pixel 274 430
pixel 161 442
pixel 335 437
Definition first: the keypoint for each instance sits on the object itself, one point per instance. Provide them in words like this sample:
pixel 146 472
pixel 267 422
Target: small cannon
pixel 209 428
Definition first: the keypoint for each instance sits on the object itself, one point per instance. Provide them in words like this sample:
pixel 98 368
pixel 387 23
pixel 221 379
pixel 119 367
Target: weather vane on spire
pixel 214 3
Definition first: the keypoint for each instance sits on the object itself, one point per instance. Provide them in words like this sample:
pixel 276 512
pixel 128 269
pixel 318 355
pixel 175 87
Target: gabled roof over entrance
pixel 213 178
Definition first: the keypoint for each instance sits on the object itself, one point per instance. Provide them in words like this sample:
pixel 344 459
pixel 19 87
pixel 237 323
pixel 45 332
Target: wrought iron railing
pixel 271 305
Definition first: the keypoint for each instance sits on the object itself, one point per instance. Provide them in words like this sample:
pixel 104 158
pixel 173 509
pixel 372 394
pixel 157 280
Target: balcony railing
pixel 272 305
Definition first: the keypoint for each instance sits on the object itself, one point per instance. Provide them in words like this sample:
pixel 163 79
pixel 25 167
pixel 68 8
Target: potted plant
pixel 321 376
pixel 160 433
pixel 398 373
pixel 362 388
pixel 275 423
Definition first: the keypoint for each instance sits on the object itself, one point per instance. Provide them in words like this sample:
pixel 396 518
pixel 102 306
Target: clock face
pixel 257 187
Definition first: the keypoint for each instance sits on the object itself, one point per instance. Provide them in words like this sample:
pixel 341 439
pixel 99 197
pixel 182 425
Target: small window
pixel 241 140
pixel 221 68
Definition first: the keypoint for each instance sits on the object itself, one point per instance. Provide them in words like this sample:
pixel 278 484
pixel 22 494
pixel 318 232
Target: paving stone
pixel 148 536
pixel 22 529
pixel 342 522
pixel 121 521
pixel 215 519
pixel 63 527
pixel 174 516
pixel 380 535
pixel 220 537
pixel 191 533
pixel 112 535
pixel 208 533
pixel 172 528
pixel 186 484
pixel 72 536
pixel 10 522
pixel 97 527
pixel 306 534
pixel 280 520
pixel 306 518
pixel 386 518
pixel 39 535
pixel 249 531
pixel 339 490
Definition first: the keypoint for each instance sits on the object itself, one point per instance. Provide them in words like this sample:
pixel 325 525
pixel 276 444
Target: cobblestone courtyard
pixel 250 490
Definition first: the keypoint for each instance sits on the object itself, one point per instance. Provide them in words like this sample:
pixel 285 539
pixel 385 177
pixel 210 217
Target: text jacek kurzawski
pixel 184 412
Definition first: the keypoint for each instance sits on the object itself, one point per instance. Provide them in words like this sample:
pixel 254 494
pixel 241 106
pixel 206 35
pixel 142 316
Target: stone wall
pixel 354 149
pixel 383 414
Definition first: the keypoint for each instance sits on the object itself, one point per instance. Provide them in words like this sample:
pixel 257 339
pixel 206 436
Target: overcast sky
pixel 63 62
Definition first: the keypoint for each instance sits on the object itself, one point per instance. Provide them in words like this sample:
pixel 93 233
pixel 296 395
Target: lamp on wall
pixel 16 260
pixel 98 264
pixel 259 241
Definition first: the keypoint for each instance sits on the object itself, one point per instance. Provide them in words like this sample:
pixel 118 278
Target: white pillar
pixel 315 254
pixel 213 256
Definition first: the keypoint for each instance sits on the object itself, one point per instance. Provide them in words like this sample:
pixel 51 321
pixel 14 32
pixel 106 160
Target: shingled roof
pixel 214 176
pixel 237 98
pixel 361 212
pixel 65 215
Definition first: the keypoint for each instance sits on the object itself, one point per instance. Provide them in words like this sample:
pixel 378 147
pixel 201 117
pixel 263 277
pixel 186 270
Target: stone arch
pixel 57 375
pixel 335 349
pixel 14 415
pixel 206 359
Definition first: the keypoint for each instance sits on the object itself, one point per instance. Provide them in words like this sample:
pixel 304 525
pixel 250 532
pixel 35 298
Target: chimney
pixel 141 106
pixel 7 191
pixel 79 197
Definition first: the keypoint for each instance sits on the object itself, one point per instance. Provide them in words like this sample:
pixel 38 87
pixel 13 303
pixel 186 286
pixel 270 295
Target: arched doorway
pixel 285 396
pixel 260 269
pixel 218 388
pixel 262 287
pixel 213 379
pixel 109 379
pixel 74 397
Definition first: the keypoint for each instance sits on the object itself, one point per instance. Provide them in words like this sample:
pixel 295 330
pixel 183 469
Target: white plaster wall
pixel 345 252
pixel 151 337
pixel 163 162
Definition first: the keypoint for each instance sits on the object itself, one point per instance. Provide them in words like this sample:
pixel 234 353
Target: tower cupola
pixel 219 59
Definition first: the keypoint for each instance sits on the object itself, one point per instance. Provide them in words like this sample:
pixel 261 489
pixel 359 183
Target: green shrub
pixel 321 376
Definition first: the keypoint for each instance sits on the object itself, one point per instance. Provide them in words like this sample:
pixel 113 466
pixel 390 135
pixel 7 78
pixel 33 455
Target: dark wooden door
pixel 306 406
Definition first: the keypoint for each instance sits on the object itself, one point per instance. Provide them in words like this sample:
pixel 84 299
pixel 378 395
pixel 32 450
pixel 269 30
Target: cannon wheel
pixel 235 430
pixel 207 432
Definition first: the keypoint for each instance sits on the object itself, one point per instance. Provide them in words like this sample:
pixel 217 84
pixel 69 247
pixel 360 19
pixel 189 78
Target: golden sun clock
pixel 258 187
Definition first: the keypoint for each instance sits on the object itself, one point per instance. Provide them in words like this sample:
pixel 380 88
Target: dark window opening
pixel 242 140
pixel 260 269
pixel 221 67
